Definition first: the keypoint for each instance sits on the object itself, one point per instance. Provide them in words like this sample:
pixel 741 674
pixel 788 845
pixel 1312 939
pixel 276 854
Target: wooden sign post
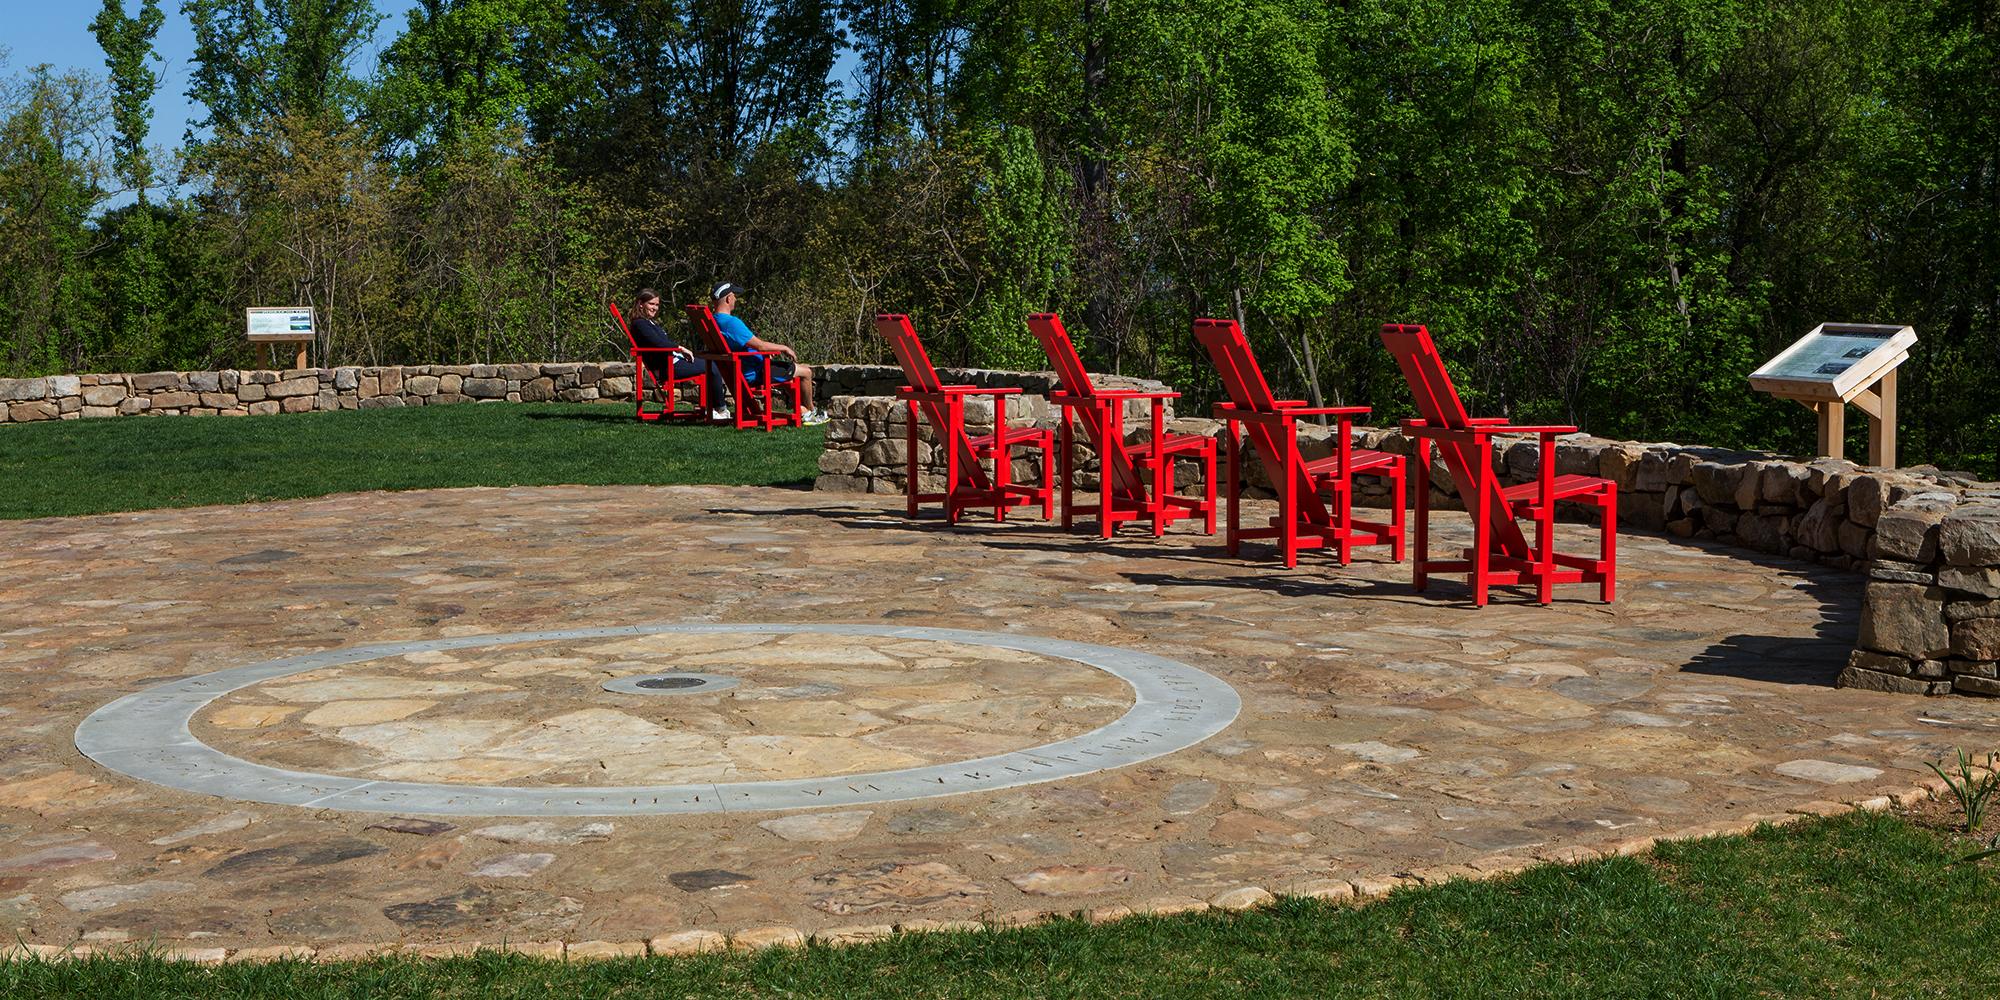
pixel 1841 363
pixel 274 325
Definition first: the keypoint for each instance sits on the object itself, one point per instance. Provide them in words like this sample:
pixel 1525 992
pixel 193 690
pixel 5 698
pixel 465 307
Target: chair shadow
pixel 1814 660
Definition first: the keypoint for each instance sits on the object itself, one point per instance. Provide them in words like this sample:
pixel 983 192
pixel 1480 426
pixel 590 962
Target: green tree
pixel 256 60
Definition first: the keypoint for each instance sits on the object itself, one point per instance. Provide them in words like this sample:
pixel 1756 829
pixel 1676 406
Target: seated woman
pixel 648 332
pixel 723 304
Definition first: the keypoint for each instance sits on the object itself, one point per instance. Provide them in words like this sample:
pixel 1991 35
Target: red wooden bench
pixel 1124 470
pixel 1271 424
pixel 966 481
pixel 668 385
pixel 748 378
pixel 1500 552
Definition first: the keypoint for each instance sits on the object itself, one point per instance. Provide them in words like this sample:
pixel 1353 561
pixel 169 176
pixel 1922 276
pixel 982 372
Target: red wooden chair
pixel 748 378
pixel 1124 470
pixel 1271 424
pixel 966 482
pixel 1500 553
pixel 669 386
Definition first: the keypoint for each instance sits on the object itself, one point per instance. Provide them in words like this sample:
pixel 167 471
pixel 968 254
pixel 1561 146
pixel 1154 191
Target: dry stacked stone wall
pixel 256 393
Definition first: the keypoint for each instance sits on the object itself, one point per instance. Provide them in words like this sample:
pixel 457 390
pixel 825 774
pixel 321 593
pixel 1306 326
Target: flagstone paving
pixel 1382 733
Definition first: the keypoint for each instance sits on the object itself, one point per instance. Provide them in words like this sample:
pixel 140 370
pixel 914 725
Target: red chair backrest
pixel 705 326
pixel 1423 368
pixel 1243 379
pixel 620 317
pixel 1439 405
pixel 916 363
pixel 1048 328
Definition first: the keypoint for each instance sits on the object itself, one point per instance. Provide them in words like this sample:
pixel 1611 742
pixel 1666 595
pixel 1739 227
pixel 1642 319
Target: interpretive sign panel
pixel 279 323
pixel 1835 361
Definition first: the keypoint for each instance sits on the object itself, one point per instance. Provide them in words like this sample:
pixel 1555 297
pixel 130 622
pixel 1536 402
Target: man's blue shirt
pixel 734 330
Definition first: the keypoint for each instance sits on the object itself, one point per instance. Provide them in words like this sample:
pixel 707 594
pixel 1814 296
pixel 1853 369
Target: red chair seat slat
pixel 1563 488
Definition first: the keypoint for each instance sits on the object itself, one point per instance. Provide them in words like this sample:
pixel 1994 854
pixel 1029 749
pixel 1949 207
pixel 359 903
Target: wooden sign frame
pixel 290 316
pixel 1840 363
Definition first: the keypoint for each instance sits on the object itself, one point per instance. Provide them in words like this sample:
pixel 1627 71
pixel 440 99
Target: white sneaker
pixel 719 413
pixel 815 417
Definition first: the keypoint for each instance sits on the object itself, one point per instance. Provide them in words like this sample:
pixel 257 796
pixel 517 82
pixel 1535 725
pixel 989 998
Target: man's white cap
pixel 724 289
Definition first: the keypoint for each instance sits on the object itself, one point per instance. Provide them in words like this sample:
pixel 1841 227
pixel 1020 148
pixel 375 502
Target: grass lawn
pixel 1859 906
pixel 137 463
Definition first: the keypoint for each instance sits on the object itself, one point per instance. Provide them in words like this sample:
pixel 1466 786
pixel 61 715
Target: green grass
pixel 1860 906
pixel 97 466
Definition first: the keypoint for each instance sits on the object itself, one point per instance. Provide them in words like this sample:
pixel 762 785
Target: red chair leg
pixel 1048 473
pixel 910 460
pixel 1208 488
pixel 1066 440
pixel 1420 566
pixel 1608 551
pixel 1396 519
pixel 1232 537
pixel 1545 552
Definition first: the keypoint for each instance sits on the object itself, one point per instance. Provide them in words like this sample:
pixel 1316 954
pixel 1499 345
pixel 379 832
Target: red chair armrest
pixel 1533 429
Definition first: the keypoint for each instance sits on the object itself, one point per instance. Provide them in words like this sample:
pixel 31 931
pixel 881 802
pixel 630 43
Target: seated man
pixel 646 329
pixel 723 304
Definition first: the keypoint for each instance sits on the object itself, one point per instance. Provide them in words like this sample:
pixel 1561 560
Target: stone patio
pixel 1383 735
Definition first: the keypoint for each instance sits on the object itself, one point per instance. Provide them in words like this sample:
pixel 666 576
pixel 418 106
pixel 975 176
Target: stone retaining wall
pixel 256 393
pixel 1928 541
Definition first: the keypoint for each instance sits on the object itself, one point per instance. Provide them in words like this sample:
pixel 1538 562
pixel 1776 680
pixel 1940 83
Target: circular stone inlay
pixel 147 736
pixel 670 684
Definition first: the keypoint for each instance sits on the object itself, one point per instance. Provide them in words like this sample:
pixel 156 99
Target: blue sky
pixel 57 32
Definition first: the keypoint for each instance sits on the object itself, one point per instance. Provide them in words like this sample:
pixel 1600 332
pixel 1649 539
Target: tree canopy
pixel 1607 212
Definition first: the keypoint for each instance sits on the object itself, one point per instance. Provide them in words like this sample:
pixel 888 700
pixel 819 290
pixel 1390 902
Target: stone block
pixel 1976 639
pixel 1867 497
pixel 450 383
pixel 65 385
pixel 67 405
pixel 1906 619
pixel 1975 668
pixel 1853 539
pixel 38 409
pixel 615 387
pixel 479 371
pixel 218 400
pixel 841 484
pixel 420 385
pixel 174 400
pixel 1970 536
pixel 250 392
pixel 1653 473
pixel 1909 530
pixel 1784 482
pixel 1869 680
pixel 1968 684
pixel 391 380
pixel 346 379
pixel 96 412
pixel 1750 487
pixel 839 463
pixel 107 395
pixel 304 385
pixel 520 373
pixel 371 386
pixel 155 381
pixel 1716 482
pixel 297 404
pixel 1881 663
pixel 381 402
pixel 1890 569
pixel 890 452
pixel 227 380
pixel 14 390
pixel 1958 611
pixel 1764 532
pixel 1983 581
pixel 327 399
pixel 263 407
pixel 134 404
pixel 1930 669
pixel 539 390
pixel 204 381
